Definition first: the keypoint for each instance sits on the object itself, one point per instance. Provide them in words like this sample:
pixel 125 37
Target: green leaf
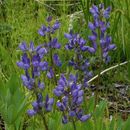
pixel 127 124
pixel 100 109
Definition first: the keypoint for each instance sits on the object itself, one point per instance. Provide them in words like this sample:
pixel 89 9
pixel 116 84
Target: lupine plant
pixel 100 38
pixel 31 62
pixel 79 60
pixel 70 95
pixel 69 92
pixel 99 28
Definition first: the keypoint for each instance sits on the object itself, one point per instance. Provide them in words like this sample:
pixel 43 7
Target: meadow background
pixel 20 21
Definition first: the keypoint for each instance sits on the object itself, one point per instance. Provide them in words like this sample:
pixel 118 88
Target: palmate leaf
pixel 13 102
pixel 127 124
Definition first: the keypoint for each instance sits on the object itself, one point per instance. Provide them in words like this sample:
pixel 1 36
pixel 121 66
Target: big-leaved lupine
pixel 51 45
pixel 99 28
pixel 33 64
pixel 79 60
pixel 70 95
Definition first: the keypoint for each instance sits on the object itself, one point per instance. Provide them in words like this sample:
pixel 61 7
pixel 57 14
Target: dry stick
pixel 106 70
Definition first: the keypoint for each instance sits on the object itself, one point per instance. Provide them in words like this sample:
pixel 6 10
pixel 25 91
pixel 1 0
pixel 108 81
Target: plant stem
pixel 52 63
pixel 44 122
pixel 97 88
pixel 73 122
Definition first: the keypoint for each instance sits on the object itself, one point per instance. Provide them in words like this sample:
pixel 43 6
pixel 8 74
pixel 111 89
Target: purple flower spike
pixel 33 63
pixel 101 23
pixel 71 98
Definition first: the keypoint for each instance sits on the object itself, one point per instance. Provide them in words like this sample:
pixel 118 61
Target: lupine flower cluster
pixel 79 62
pixel 52 44
pixel 33 64
pixel 70 99
pixel 68 90
pixel 99 30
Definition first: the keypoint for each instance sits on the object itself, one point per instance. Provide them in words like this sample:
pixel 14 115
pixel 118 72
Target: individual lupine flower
pixel 49 19
pixel 106 12
pixel 71 98
pixel 56 60
pixel 94 11
pixel 41 85
pixel 31 112
pixel 25 62
pixel 28 82
pixel 41 52
pixel 54 44
pixel 64 120
pixel 43 65
pixel 42 30
pixel 56 25
pixel 23 46
pixel 36 60
pixel 101 24
pixel 50 73
pixel 48 103
pixel 82 117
